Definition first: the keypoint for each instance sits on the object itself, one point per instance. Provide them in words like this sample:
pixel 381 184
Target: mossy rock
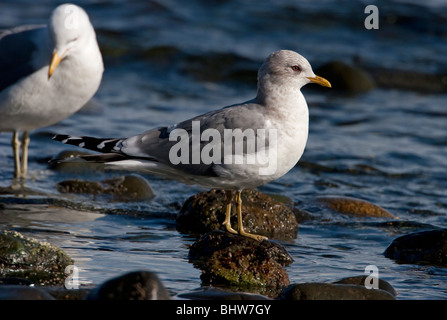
pixel 39 262
pixel 232 260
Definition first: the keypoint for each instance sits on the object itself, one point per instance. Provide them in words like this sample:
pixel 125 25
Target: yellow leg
pixel 15 148
pixel 242 232
pixel 25 144
pixel 227 222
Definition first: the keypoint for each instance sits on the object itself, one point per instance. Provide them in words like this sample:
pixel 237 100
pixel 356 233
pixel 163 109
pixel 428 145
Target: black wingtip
pixel 60 137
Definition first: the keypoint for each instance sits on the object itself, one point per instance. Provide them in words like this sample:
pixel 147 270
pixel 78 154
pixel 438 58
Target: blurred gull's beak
pixel 321 81
pixel 55 60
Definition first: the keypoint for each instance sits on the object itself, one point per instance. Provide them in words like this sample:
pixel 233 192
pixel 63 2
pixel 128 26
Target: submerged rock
pixel 329 291
pixel 426 247
pixel 353 207
pixel 345 77
pixel 138 285
pixel 123 188
pixel 232 260
pixel 28 258
pixel 409 80
pixel 68 161
pixel 261 214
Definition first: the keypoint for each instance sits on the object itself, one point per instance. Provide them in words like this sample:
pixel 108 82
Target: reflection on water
pixel 166 61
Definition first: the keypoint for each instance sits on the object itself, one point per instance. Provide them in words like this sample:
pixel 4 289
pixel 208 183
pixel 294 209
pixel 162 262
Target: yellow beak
pixel 321 81
pixel 55 60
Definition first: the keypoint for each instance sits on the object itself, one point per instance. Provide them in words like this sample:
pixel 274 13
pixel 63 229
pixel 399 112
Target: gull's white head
pixel 70 30
pixel 286 67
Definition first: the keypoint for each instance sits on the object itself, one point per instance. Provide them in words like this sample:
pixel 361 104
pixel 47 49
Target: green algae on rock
pixel 40 262
pixel 236 261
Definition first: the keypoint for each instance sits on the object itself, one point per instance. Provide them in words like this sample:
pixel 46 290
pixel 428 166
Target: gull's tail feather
pixel 108 145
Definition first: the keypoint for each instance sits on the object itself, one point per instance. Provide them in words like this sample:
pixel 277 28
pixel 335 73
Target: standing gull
pixel 47 73
pixel 241 146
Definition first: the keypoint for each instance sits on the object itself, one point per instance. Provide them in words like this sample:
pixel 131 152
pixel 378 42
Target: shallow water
pixel 387 146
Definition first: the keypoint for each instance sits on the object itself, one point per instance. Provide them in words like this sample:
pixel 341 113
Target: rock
pixel 124 188
pixel 137 285
pixel 28 258
pixel 232 260
pixel 15 281
pixel 426 247
pixel 60 293
pixel 346 78
pixel 213 293
pixel 409 80
pixel 360 281
pixel 329 291
pixel 68 161
pixel 205 212
pixel 80 186
pixel 129 188
pixel 353 207
pixel 19 292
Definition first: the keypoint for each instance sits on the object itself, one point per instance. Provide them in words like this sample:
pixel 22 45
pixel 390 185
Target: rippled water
pixel 387 146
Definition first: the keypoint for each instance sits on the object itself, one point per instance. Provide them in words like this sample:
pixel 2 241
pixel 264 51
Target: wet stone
pixel 33 260
pixel 426 247
pixel 353 207
pixel 138 285
pixel 68 161
pixel 215 293
pixel 360 281
pixel 329 291
pixel 261 214
pixel 123 188
pixel 232 260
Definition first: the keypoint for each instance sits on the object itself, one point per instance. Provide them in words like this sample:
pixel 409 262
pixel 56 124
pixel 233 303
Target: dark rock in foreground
pixel 360 281
pixel 261 214
pixel 329 291
pixel 138 285
pixel 213 293
pixel 232 260
pixel 28 258
pixel 20 292
pixel 426 247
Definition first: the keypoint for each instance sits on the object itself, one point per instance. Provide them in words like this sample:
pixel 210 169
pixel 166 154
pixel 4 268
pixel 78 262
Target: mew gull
pixel 241 146
pixel 47 73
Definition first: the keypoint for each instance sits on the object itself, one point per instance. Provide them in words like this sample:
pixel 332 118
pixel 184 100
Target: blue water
pixel 386 146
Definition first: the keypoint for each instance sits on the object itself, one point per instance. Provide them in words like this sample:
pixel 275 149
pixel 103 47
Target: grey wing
pixel 16 53
pixel 168 145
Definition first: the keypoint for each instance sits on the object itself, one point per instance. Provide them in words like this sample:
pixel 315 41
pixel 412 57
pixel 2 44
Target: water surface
pixel 169 60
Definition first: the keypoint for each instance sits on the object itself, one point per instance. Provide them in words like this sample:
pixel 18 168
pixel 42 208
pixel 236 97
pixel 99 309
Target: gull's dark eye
pixel 296 68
